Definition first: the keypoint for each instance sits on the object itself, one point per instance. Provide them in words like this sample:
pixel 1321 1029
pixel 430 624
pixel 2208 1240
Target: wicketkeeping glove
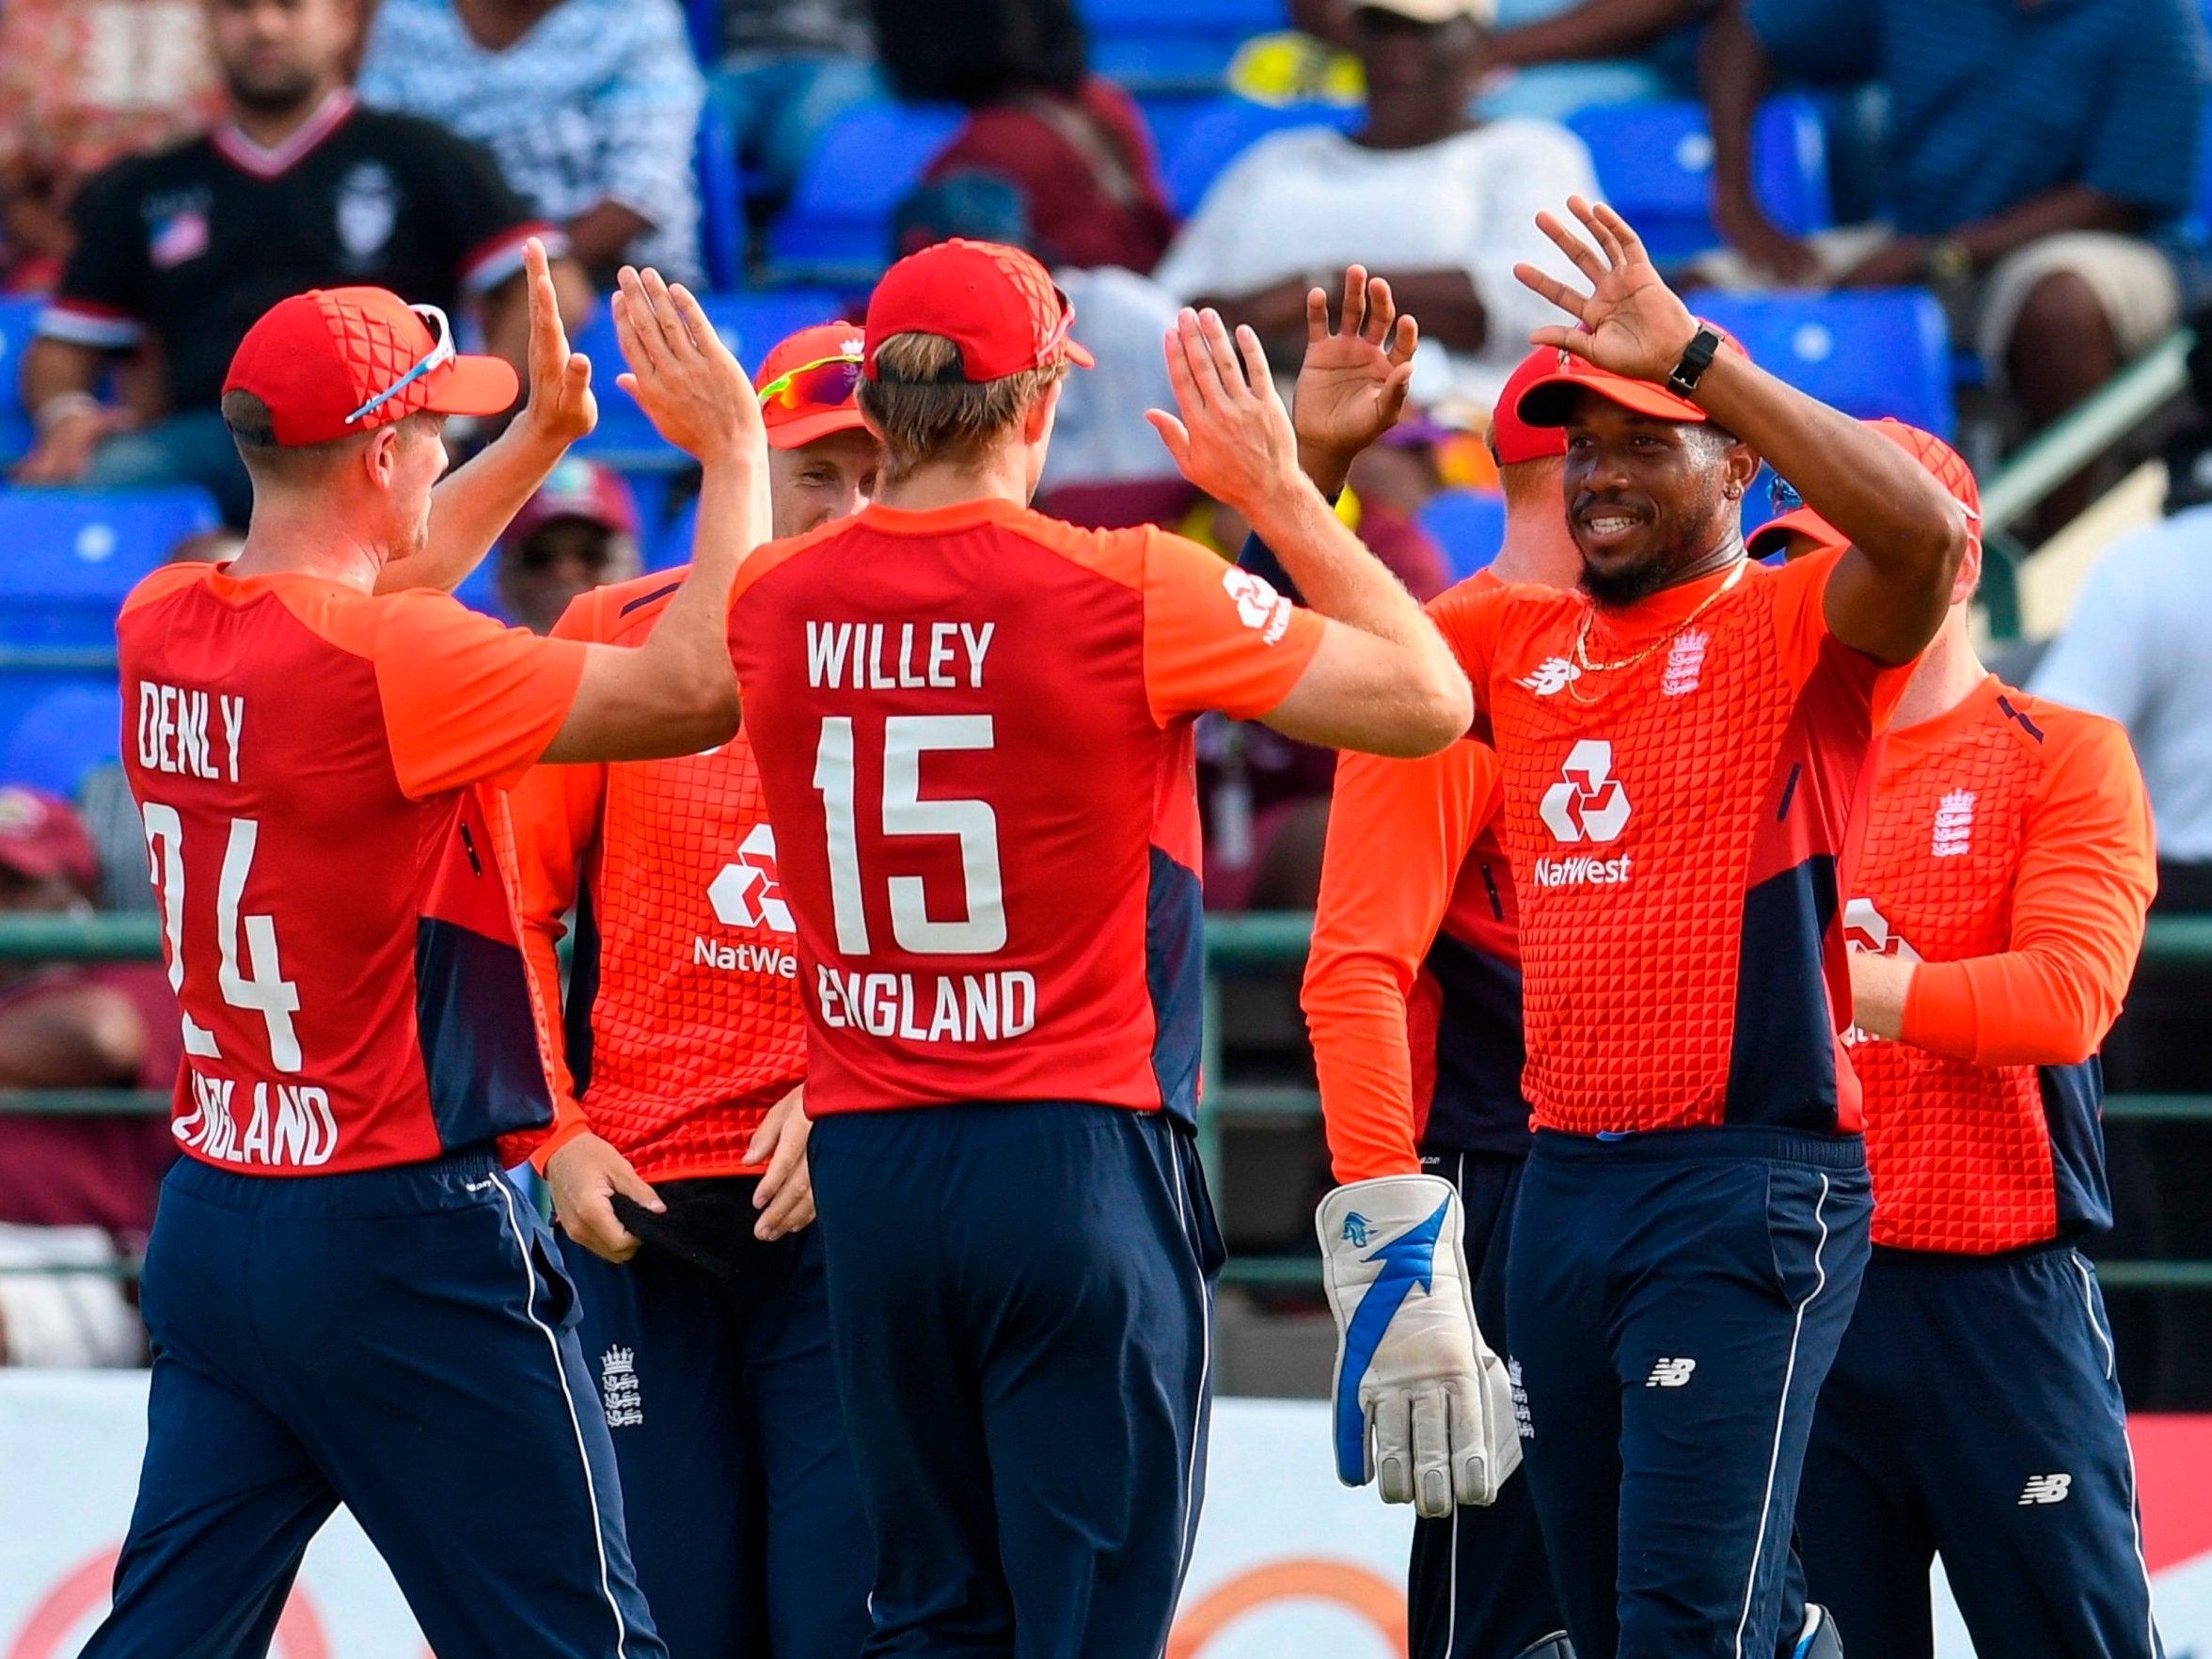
pixel 1418 1394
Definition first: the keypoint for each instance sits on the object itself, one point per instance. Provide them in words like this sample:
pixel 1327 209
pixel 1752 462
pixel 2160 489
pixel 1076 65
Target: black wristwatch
pixel 1697 358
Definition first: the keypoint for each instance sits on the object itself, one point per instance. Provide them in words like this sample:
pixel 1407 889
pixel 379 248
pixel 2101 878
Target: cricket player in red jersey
pixel 974 731
pixel 678 1093
pixel 1413 996
pixel 348 1302
pixel 1685 744
pixel 1973 1411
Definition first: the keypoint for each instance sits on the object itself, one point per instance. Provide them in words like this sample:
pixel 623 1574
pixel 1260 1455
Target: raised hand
pixel 1353 385
pixel 1631 322
pixel 562 408
pixel 681 373
pixel 1234 441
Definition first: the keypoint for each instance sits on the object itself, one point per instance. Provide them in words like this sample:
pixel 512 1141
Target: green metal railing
pixel 1245 945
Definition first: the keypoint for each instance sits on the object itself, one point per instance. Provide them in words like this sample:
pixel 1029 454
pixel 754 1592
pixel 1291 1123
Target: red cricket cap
pixel 42 837
pixel 996 303
pixel 1513 438
pixel 1945 465
pixel 797 415
pixel 577 488
pixel 320 358
pixel 1549 397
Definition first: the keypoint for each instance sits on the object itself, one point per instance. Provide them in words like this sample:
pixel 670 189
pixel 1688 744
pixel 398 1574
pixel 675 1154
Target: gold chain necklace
pixel 1584 666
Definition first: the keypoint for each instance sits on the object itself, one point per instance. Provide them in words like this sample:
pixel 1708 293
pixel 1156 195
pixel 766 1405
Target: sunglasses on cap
pixel 441 353
pixel 826 383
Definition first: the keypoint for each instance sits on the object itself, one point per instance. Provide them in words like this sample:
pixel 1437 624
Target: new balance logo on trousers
pixel 1670 1373
pixel 2046 1488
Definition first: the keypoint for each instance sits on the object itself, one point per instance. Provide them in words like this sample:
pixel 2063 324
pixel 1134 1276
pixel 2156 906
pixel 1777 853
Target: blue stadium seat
pixel 1468 526
pixel 703 21
pixel 721 197
pixel 70 556
pixel 1655 164
pixel 838 225
pixel 19 316
pixel 674 545
pixel 1223 131
pixel 1174 45
pixel 55 728
pixel 1869 352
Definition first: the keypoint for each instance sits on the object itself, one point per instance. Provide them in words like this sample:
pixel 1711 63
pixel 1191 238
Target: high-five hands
pixel 1631 322
pixel 562 408
pixel 1234 439
pixel 1351 387
pixel 680 371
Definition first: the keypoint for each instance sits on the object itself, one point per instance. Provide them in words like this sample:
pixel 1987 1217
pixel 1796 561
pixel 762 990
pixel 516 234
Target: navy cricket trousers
pixel 401 1341
pixel 1480 1587
pixel 1678 1297
pixel 744 1515
pixel 1021 1295
pixel 1973 1411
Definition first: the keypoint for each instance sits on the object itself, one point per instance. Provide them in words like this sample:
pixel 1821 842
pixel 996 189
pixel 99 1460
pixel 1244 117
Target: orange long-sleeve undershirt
pixel 2087 869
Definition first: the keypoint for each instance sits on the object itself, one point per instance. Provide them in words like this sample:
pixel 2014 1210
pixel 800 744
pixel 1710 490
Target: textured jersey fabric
pixel 974 730
pixel 683 1024
pixel 338 919
pixel 1412 985
pixel 1677 826
pixel 2009 853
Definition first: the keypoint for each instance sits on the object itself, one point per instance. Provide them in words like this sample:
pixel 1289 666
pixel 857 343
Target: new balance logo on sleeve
pixel 2046 1488
pixel 1670 1373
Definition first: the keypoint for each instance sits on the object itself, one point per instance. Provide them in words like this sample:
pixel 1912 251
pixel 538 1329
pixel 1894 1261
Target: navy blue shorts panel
pixel 1020 1300
pixel 1480 1587
pixel 1973 1411
pixel 1677 1298
pixel 743 1509
pixel 401 1341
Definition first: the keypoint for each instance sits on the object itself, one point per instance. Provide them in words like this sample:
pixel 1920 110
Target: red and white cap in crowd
pixel 577 488
pixel 42 837
pixel 996 303
pixel 338 360
pixel 809 385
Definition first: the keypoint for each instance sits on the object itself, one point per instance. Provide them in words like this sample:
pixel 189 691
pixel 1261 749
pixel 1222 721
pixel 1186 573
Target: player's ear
pixel 1969 571
pixel 1740 466
pixel 1036 423
pixel 380 455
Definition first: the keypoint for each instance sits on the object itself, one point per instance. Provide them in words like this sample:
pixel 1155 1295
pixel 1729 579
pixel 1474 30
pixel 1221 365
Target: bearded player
pixel 349 1302
pixel 1684 743
pixel 974 731
pixel 1973 1411
pixel 679 1097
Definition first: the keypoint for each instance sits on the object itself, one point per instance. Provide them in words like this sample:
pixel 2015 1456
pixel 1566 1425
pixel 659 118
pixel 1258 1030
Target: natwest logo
pixel 747 894
pixel 1588 803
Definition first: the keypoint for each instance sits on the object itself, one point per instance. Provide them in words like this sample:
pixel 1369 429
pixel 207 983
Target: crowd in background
pixel 168 168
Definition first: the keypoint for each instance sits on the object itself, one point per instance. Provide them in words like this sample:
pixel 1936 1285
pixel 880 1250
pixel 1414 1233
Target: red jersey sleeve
pixel 1217 637
pixel 556 814
pixel 2087 869
pixel 465 699
pixel 1800 595
pixel 1399 831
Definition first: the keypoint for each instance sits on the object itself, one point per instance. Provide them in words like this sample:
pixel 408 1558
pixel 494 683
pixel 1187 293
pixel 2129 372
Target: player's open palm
pixel 1353 385
pixel 562 407
pixel 1234 439
pixel 1631 322
pixel 681 374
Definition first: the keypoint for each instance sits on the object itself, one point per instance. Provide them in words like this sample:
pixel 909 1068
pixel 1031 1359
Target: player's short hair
pixel 927 412
pixel 253 428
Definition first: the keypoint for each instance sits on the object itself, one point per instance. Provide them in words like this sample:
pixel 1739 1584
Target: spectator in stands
pixel 1074 145
pixel 1310 62
pixel 298 188
pixel 1552 58
pixel 73 1190
pixel 2034 151
pixel 81 86
pixel 590 106
pixel 789 69
pixel 1442 206
pixel 579 533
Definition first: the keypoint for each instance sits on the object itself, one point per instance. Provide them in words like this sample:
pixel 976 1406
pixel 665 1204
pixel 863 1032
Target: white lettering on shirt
pixel 852 655
pixel 929 1008
pixel 173 731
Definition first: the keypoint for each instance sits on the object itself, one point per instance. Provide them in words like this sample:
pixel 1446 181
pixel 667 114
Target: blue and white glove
pixel 1419 1398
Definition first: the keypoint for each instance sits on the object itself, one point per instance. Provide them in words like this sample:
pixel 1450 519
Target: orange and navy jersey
pixel 1412 985
pixel 974 729
pixel 682 1023
pixel 1681 789
pixel 2009 854
pixel 338 914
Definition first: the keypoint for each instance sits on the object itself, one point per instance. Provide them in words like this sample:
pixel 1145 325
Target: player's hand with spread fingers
pixel 1631 322
pixel 682 376
pixel 1234 439
pixel 1351 387
pixel 585 1174
pixel 785 1196
pixel 562 408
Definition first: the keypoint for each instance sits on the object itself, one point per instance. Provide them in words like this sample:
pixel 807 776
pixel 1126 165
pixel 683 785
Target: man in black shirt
pixel 298 189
